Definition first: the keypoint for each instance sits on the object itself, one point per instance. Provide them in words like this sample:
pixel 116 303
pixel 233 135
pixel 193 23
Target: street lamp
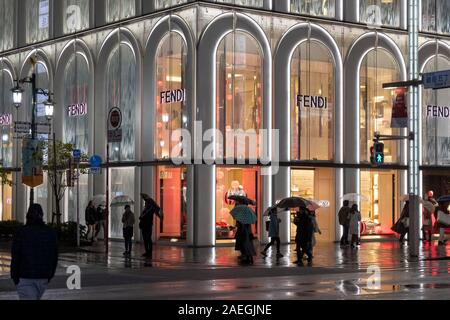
pixel 17 92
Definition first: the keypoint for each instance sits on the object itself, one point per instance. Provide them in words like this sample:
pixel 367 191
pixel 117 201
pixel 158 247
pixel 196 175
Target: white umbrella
pixel 99 200
pixel 355 197
pixel 120 201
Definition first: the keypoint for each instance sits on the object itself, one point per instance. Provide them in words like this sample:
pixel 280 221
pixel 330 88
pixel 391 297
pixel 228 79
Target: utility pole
pixel 413 144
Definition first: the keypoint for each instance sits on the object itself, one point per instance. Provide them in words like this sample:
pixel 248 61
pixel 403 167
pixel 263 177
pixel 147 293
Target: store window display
pixel 6 113
pixel 234 181
pixel 312 103
pixel 376 104
pixel 171 111
pixel 239 95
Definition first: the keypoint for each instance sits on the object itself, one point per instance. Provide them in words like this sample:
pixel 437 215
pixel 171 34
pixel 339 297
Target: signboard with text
pixel 399 109
pixel 436 80
pixel 114 125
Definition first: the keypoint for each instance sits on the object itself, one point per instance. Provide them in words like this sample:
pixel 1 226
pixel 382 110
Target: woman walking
pixel 128 229
pixel 90 214
pixel 355 219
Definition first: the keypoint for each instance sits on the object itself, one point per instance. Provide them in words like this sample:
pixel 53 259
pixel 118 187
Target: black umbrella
pixel 294 202
pixel 444 199
pixel 242 200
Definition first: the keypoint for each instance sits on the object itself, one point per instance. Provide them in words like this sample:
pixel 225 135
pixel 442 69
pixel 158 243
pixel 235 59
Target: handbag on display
pixel 443 218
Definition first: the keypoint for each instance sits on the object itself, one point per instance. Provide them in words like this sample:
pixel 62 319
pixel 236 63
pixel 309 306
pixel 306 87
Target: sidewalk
pixel 208 273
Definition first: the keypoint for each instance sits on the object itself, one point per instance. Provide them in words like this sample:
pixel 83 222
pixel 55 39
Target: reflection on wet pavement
pixel 213 273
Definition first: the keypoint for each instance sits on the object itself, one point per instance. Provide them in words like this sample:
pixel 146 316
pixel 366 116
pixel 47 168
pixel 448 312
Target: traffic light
pixel 377 153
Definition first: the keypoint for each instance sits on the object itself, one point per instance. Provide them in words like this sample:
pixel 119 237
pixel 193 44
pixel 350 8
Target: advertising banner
pixel 400 109
pixel 32 159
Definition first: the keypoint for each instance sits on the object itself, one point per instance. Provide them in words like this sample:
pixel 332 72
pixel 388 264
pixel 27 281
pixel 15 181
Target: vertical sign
pixel 399 109
pixel 32 159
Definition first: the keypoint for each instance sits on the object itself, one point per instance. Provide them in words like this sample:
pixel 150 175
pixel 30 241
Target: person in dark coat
pixel 100 219
pixel 90 217
pixel 443 209
pixel 344 221
pixel 304 236
pixel 244 242
pixel 128 229
pixel 146 224
pixel 34 256
pixel 404 220
pixel 274 233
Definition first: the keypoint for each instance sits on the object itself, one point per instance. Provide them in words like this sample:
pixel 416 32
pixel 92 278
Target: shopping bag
pixel 443 218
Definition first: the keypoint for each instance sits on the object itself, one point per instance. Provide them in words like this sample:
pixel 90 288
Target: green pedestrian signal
pixel 377 153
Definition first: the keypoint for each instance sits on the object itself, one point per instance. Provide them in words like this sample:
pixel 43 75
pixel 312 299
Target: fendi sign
pixel 314 102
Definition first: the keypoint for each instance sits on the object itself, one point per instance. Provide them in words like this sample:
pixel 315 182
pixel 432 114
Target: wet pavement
pixel 177 272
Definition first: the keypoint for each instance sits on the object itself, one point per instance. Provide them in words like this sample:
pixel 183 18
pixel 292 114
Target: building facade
pixel 311 69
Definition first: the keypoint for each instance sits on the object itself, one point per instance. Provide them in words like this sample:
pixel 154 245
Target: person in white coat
pixel 355 219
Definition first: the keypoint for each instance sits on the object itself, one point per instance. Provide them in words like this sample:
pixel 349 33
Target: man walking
pixel 146 223
pixel 274 233
pixel 34 256
pixel 344 221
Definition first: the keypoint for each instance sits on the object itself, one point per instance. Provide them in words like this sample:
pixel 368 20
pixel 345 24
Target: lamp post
pixel 17 92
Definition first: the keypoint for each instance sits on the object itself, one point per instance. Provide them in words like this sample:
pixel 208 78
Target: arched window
pixel 376 103
pixel 6 119
pixel 76 122
pixel 37 20
pixel 171 113
pixel 120 9
pixel 380 12
pixel 75 15
pixel 312 102
pixel 239 95
pixel 324 8
pixel 435 115
pixel 121 93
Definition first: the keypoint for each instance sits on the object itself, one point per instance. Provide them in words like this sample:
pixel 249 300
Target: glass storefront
pixel 324 8
pixel 170 95
pixel 6 116
pixel 121 92
pixel 6 198
pixel 235 181
pixel 380 209
pixel 380 12
pixel 122 184
pixel 435 119
pixel 239 95
pixel 435 16
pixel 376 103
pixel 172 198
pixel 316 184
pixel 312 103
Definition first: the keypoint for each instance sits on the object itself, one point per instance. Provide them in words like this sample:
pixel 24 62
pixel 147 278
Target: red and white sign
pixel 77 110
pixel 5 120
pixel 399 109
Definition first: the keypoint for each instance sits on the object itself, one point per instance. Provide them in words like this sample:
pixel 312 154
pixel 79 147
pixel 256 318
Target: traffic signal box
pixel 377 154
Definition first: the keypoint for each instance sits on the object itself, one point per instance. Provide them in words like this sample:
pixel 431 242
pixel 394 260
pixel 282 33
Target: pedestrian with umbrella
pixel 244 217
pixel 274 232
pixel 304 237
pixel 442 218
pixel 146 223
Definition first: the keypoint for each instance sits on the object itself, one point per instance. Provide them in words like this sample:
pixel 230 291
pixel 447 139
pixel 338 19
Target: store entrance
pixel 171 195
pixel 381 210
pixel 316 184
